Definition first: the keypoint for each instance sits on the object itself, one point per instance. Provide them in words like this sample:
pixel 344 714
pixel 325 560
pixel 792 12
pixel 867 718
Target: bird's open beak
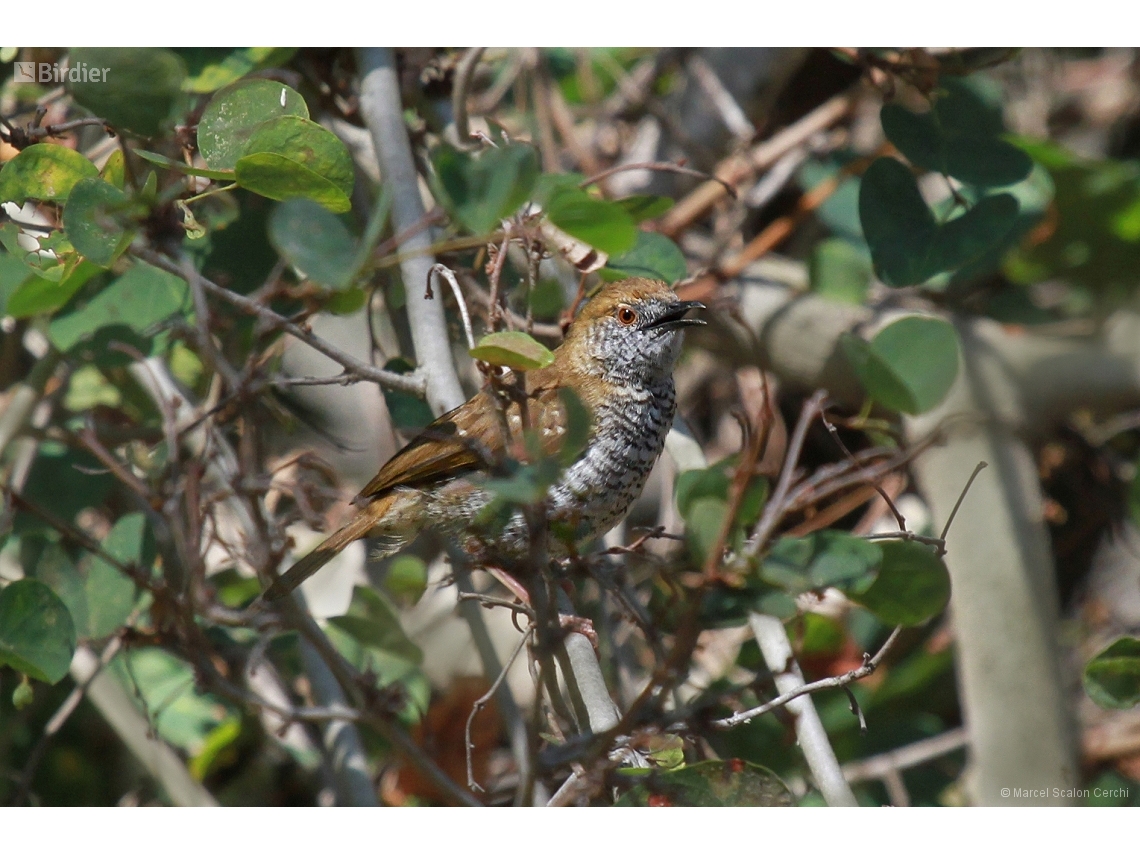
pixel 674 316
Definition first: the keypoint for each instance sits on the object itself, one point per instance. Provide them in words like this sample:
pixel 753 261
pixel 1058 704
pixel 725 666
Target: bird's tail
pixel 361 524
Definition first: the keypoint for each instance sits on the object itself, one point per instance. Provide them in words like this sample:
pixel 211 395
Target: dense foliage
pixel 173 234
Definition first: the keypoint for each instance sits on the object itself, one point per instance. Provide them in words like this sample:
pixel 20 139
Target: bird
pixel 617 357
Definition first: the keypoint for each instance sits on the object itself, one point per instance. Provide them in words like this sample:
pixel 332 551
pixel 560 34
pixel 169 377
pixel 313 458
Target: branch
pixel 353 366
pixel 865 670
pixel 384 115
pixel 738 168
pixel 773 640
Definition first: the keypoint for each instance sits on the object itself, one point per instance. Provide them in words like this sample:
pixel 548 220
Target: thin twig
pixel 482 702
pixel 866 669
pixel 774 509
pixel 412 383
pixel 448 274
pixel 464 74
pixel 954 512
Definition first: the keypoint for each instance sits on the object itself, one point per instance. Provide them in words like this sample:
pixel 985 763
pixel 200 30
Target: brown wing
pixel 470 436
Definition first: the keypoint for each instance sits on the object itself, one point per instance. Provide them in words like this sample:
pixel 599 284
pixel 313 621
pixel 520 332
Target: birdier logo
pixel 53 72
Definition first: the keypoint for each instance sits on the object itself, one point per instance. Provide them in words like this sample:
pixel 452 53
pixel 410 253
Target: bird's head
pixel 629 332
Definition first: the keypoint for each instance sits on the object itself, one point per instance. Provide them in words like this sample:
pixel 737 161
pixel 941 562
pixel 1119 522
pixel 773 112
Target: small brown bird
pixel 618 358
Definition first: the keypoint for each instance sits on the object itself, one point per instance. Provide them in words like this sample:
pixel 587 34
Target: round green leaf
pixel 139 90
pixel 603 225
pixel 234 112
pixel 897 224
pixel 912 584
pixel 213 68
pixel 653 256
pixel 702 525
pixel 822 559
pixel 986 161
pixel 37 635
pixel 909 366
pixel 138 299
pixel 1112 677
pixel 45 172
pixel 110 594
pixel 314 240
pixel 482 190
pixel 277 177
pixel 39 296
pixel 973 234
pixel 915 135
pixel 94 220
pixel 694 484
pixel 514 350
pixel 840 270
pixel 306 144
pixel 407 578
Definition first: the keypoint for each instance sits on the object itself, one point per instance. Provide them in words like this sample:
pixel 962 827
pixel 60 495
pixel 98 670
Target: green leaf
pixel 373 622
pixel 138 299
pixel 44 172
pixel 37 635
pixel 822 559
pixel 653 256
pixel 23 694
pixel 41 296
pixel 408 412
pixel 213 68
pixel 141 89
pixel 909 366
pixel 703 522
pixel 967 238
pixel 275 176
pixel 480 191
pixel 88 484
pixel 645 207
pixel 603 225
pixel 307 144
pixel 114 170
pixel 233 114
pixel 840 271
pixel 897 224
pixel 959 136
pixel 95 220
pixel 694 484
pixel 406 579
pixel 514 349
pixel 315 241
pixel 713 783
pixel 111 595
pixel 166 687
pixel 912 586
pixel 55 569
pixel 840 211
pixel 1112 677
pixel 159 160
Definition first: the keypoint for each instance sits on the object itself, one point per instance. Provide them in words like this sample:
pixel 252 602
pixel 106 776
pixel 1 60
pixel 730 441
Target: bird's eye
pixel 627 316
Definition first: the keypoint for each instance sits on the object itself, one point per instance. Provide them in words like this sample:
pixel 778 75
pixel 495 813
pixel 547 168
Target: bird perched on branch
pixel 617 359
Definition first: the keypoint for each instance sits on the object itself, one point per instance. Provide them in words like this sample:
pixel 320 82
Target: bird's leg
pixel 569 623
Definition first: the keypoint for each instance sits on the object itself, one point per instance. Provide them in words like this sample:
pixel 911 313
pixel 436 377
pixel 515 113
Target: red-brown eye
pixel 627 316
